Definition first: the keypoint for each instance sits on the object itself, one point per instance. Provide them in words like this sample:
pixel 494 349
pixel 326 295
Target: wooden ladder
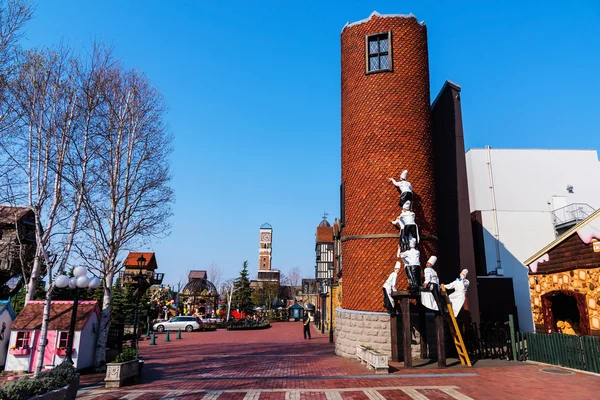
pixel 456 336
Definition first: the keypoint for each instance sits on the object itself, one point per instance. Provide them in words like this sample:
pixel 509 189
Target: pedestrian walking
pixel 306 323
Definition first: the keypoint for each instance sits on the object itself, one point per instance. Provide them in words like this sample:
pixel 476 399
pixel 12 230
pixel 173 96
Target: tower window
pixel 379 52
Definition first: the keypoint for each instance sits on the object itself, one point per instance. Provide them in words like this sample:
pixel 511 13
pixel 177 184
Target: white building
pixel 525 199
pixel 26 330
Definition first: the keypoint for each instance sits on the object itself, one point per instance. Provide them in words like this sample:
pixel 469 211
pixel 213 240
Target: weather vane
pixel 325 215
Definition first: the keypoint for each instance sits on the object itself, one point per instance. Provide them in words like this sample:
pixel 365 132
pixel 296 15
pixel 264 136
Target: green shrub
pixel 46 381
pixel 128 354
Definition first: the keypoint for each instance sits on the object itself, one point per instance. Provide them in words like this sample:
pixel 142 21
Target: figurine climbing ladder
pixel 456 336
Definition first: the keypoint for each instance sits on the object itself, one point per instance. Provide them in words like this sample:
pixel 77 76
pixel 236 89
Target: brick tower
pixel 265 256
pixel 386 128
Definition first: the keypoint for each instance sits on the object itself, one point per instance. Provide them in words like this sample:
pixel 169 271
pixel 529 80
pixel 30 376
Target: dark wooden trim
pixel 383 236
pixel 562 269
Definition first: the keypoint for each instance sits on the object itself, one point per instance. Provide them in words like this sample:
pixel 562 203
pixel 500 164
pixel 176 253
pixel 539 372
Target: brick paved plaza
pixel 279 364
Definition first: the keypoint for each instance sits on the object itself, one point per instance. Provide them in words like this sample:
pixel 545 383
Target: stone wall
pixel 373 329
pixel 585 281
pixel 336 291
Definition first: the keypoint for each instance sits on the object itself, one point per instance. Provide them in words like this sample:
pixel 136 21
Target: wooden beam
pixel 440 339
pixel 423 330
pixel 406 332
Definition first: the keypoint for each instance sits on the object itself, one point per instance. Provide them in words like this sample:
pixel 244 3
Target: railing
pixel 578 352
pixel 131 276
pixel 488 340
pixel 574 212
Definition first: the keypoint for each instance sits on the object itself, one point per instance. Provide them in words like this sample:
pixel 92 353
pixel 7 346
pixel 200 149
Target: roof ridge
pixel 562 238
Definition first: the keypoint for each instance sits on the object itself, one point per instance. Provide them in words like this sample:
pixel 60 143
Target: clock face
pixel 265 237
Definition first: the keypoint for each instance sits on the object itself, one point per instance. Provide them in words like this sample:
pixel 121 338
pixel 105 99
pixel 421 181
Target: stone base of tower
pixel 353 328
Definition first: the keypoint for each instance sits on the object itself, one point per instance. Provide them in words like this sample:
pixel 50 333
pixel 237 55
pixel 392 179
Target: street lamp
pixel 140 279
pixel 79 281
pixel 330 284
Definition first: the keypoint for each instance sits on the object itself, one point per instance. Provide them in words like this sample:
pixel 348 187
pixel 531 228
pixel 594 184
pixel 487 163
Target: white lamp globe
pixel 62 281
pixel 79 271
pixel 72 283
pixel 94 283
pixel 83 282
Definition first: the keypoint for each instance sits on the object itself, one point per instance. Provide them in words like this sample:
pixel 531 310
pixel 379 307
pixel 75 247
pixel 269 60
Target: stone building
pixel 564 281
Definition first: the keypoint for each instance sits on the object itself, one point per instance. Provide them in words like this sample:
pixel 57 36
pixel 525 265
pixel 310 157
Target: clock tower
pixel 264 252
pixel 265 271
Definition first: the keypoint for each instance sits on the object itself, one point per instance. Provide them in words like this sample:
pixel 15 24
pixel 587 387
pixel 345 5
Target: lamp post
pixel 330 285
pixel 79 281
pixel 140 278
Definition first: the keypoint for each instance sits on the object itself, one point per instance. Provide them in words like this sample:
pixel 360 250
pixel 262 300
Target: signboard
pixel 596 245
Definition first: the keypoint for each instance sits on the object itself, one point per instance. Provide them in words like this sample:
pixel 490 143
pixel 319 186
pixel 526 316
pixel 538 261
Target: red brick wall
pixel 386 127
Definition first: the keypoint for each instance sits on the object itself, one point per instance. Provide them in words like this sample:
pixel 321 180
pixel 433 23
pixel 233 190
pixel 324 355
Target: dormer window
pixel 379 52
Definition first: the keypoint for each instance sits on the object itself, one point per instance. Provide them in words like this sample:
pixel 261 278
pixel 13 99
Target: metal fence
pixel 578 352
pixel 488 340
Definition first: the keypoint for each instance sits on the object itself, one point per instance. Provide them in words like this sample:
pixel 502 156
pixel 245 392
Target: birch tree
pixel 44 95
pixel 130 200
pixel 13 16
pixel 85 82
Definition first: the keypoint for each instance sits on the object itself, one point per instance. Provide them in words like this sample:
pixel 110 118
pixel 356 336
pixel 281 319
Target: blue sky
pixel 254 95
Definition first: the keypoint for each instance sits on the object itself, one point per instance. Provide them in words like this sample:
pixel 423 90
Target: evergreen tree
pixel 119 302
pixel 242 297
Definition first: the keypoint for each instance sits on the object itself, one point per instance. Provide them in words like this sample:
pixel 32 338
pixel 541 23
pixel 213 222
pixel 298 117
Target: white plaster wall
pixel 86 341
pixel 18 363
pixel 524 183
pixel 5 318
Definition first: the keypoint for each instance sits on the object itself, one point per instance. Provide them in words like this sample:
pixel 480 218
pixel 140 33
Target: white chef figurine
pixel 430 296
pixel 408 226
pixel 388 287
pixel 412 265
pixel 460 286
pixel 405 188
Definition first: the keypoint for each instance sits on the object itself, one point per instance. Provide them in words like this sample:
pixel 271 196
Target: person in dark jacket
pixel 306 324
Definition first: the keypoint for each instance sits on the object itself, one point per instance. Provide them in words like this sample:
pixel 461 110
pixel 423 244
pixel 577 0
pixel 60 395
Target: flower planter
pixel 361 353
pixel 118 373
pixel 60 352
pixel 20 352
pixel 377 361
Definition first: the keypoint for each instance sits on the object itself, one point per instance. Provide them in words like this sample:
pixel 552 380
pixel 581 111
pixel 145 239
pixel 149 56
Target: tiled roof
pixel 8 214
pixel 132 257
pixel 197 274
pixel 60 315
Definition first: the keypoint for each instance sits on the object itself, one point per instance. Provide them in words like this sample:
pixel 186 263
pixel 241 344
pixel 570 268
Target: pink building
pixel 26 329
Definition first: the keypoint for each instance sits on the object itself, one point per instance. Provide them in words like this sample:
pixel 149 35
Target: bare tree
pixel 13 15
pixel 295 277
pixel 44 99
pixel 130 199
pixel 215 274
pixel 227 290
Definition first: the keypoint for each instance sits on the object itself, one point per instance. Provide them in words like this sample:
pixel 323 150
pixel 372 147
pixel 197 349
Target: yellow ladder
pixel 458 340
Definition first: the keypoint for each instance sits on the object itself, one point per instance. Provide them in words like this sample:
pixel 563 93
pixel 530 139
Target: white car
pixel 188 324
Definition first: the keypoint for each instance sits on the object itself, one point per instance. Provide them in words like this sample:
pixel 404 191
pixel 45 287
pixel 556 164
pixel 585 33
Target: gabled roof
pixel 5 306
pixel 587 229
pixel 132 257
pixel 10 214
pixel 197 274
pixel 60 315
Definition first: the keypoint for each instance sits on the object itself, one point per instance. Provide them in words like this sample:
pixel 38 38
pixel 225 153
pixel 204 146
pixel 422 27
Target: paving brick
pixel 280 365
